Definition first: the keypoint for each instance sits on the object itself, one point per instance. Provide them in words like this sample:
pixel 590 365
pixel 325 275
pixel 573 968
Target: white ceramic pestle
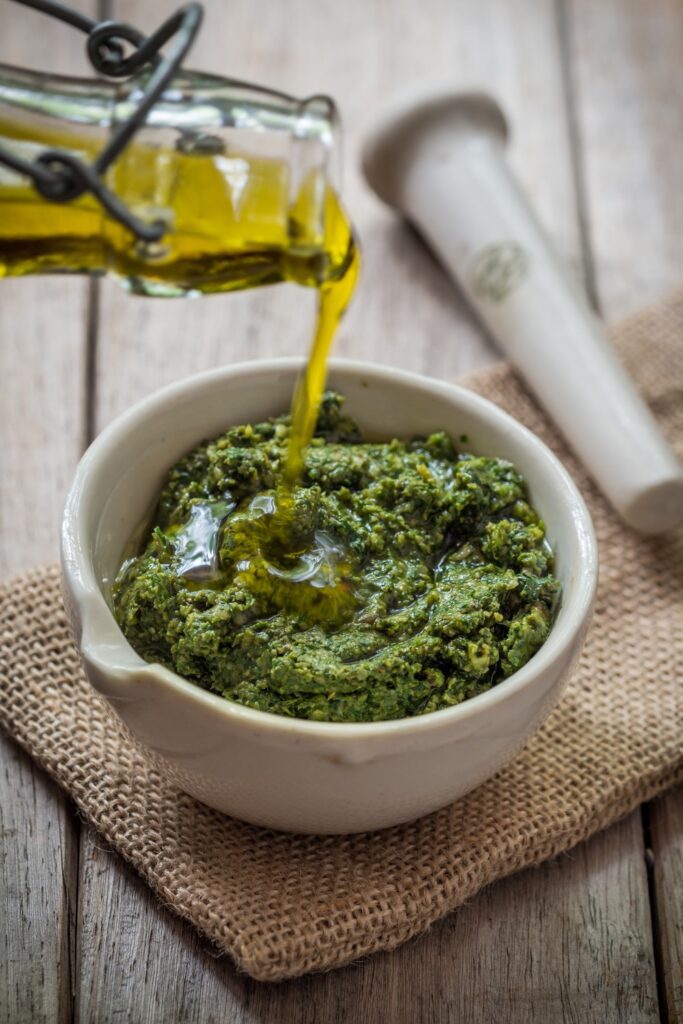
pixel 438 157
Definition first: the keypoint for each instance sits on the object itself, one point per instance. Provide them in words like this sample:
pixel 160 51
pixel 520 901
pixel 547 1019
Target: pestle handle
pixel 439 158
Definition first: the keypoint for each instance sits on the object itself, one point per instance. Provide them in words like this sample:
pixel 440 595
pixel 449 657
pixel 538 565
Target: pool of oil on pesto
pixel 405 576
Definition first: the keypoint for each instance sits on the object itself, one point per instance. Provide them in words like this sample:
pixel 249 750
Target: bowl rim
pixel 85 588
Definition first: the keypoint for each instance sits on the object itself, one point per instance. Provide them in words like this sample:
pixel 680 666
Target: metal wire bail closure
pixel 61 177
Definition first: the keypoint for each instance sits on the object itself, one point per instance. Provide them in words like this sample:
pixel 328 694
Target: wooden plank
pixel 665 818
pixel 569 941
pixel 628 89
pixel 138 962
pixel 38 849
pixel 629 122
pixel 42 348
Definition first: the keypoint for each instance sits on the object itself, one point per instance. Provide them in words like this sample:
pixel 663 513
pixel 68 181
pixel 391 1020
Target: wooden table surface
pixel 594 91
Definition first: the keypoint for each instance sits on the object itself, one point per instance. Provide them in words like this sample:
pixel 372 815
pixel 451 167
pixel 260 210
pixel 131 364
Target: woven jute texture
pixel 282 905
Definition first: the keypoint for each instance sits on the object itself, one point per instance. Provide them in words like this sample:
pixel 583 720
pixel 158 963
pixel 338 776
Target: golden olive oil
pixel 334 296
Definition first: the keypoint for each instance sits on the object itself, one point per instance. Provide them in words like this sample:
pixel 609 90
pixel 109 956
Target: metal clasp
pixel 61 177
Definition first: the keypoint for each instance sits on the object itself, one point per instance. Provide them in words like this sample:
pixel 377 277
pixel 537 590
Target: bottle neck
pixel 242 195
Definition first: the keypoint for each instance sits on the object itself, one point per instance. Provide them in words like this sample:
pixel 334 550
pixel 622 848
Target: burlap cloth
pixel 282 905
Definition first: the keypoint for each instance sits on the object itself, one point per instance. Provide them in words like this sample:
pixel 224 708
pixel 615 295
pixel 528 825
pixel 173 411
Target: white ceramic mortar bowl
pixel 288 773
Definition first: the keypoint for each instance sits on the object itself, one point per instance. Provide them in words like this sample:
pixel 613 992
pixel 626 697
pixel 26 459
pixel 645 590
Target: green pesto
pixel 414 577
